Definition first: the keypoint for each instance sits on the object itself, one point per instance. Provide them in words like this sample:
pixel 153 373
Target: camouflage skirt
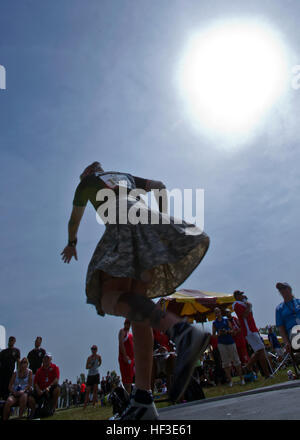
pixel 171 251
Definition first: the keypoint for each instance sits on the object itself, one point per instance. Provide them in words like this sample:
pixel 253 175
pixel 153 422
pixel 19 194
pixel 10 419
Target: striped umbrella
pixel 196 305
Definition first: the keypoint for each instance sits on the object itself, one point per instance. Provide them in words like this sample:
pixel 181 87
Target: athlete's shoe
pixel 190 345
pixel 141 407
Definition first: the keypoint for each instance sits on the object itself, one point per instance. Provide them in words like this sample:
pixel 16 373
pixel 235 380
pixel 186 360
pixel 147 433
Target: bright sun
pixel 230 74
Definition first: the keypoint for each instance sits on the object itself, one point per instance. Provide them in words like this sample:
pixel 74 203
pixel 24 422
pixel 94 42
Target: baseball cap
pixel 278 285
pixel 49 355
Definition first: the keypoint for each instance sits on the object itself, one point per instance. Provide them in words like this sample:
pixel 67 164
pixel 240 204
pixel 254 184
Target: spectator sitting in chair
pixel 46 387
pixel 287 313
pixel 19 387
pixel 275 344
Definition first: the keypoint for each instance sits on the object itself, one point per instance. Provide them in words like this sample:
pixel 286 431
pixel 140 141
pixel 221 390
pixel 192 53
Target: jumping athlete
pixel 134 262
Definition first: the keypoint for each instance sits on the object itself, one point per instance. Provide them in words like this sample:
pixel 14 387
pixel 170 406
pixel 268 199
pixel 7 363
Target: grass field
pixel 103 413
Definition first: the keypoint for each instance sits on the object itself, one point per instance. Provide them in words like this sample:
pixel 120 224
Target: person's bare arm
pixel 73 225
pixel 214 330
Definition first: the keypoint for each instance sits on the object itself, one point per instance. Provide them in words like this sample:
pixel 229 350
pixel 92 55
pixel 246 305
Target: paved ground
pixel 277 402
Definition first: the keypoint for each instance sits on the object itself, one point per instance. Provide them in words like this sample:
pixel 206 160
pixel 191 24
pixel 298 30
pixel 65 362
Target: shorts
pixel 93 380
pixel 255 342
pixel 229 355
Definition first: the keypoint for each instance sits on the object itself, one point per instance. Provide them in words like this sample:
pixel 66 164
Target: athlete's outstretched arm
pixel 73 225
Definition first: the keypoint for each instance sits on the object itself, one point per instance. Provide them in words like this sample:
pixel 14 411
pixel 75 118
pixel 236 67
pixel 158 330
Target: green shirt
pixel 90 185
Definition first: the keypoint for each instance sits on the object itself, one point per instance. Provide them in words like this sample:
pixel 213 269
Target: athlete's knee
pixel 141 308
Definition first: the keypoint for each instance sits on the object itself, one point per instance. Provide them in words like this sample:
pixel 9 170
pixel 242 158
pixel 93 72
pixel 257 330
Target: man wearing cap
pixel 93 379
pixel 46 383
pixel 126 356
pixel 243 310
pixel 287 313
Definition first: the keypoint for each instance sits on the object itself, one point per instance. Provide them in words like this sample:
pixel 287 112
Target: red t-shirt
pixel 246 323
pixel 45 376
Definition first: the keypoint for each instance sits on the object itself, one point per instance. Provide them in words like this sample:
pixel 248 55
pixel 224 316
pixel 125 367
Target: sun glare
pixel 230 75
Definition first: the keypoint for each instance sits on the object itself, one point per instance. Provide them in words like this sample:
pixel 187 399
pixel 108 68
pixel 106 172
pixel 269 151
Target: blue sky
pixel 95 81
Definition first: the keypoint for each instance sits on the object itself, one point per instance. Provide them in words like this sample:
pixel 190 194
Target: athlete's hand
pixel 68 253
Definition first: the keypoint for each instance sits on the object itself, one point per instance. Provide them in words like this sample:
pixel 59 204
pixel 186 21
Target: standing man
pixel 239 338
pixel 243 310
pixel 287 313
pixel 8 360
pixel 35 356
pixel 226 346
pixel 126 356
pixel 93 379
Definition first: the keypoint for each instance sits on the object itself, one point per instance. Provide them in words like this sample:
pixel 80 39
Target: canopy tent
pixel 196 305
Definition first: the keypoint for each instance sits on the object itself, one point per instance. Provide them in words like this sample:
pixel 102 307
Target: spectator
pixel 69 393
pixel 275 344
pixel 126 356
pixel 239 338
pixel 35 356
pixel 46 389
pixel 93 379
pixel 103 385
pixel 108 381
pixel 8 358
pixel 226 346
pixel 75 390
pixel 287 313
pixel 19 387
pixel 82 392
pixel 218 372
pixel 64 394
pixel 243 310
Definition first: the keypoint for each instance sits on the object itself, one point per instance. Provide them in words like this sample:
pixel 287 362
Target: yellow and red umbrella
pixel 196 305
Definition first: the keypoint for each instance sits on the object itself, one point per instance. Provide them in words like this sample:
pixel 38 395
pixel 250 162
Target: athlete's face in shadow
pixel 92 168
